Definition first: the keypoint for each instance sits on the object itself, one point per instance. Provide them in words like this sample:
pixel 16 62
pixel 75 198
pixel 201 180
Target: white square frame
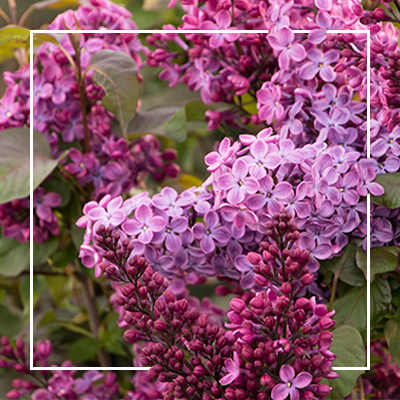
pixel 240 31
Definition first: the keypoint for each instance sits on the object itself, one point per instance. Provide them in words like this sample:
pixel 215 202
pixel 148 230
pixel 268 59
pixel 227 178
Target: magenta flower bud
pixel 325 337
pixel 4 341
pixel 169 296
pixel 324 390
pixel 260 280
pixel 131 336
pixel 17 383
pixel 222 290
pixel 169 154
pixel 238 305
pixel 160 305
pixel 119 301
pixel 267 381
pixel 262 396
pixel 159 325
pixel 199 371
pixel 273 250
pixel 286 288
pixel 203 320
pixel 14 394
pixel 172 170
pixel 254 258
pixel 320 310
pixel 153 372
pixel 326 323
pixel 307 279
pixel 303 303
pixel 127 289
pixel 257 302
pixel 143 291
pixel 179 355
pixel 20 368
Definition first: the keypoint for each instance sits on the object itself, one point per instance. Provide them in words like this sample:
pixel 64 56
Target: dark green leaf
pixel 41 252
pixel 10 324
pixel 39 285
pixel 14 257
pixel 15 166
pixel 116 73
pixel 351 309
pixel 169 121
pixel 349 349
pixel 345 264
pixel 195 110
pixel 62 257
pixel 392 334
pixel 383 259
pixel 83 349
pixel 391 197
pixel 14 36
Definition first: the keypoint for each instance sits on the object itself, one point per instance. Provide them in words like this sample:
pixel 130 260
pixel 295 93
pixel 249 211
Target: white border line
pixel 240 31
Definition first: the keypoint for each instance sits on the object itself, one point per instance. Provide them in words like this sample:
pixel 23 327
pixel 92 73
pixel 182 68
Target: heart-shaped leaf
pixel 15 162
pixel 391 197
pixel 383 259
pixel 116 73
pixel 349 349
pixel 351 309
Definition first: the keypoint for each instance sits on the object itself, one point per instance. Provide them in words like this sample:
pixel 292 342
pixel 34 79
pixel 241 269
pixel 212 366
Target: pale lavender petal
pixel 146 236
pixel 286 373
pixel 173 243
pixel 143 213
pixel 297 52
pixel 157 224
pixel 207 244
pixel 227 181
pixel 302 380
pixel 132 227
pixel 280 392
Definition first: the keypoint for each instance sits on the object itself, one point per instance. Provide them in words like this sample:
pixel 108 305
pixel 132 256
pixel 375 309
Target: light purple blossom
pixel 291 383
pixel 144 224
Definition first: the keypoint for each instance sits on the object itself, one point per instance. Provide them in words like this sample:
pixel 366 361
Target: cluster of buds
pixel 52 385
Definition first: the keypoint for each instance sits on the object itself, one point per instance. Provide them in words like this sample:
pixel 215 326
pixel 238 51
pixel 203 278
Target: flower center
pixel 289 384
pixel 341 189
pixel 381 166
pixel 289 46
pixel 391 141
pixel 276 103
pixel 168 230
pixel 240 183
pixel 8 113
pixel 145 228
pixel 320 65
pixel 259 164
pixel 208 232
pixel 82 165
pixel 268 194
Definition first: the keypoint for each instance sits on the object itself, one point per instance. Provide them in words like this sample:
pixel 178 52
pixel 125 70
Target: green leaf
pixel 383 259
pixel 14 257
pixel 54 4
pixel 10 324
pixel 15 165
pixel 188 181
pixel 40 38
pixel 14 36
pixel 169 121
pixel 349 349
pixel 195 110
pixel 391 197
pixel 351 309
pixel 392 334
pixel 39 285
pixel 83 349
pixel 41 252
pixel 346 267
pixel 116 73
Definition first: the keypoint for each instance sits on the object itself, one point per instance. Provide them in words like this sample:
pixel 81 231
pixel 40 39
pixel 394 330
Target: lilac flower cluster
pixel 251 179
pixel 311 88
pixel 110 164
pixel 276 342
pixel 52 385
pixel 14 217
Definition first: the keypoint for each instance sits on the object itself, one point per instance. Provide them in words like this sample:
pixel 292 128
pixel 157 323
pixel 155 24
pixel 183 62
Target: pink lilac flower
pixel 291 383
pixel 144 224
